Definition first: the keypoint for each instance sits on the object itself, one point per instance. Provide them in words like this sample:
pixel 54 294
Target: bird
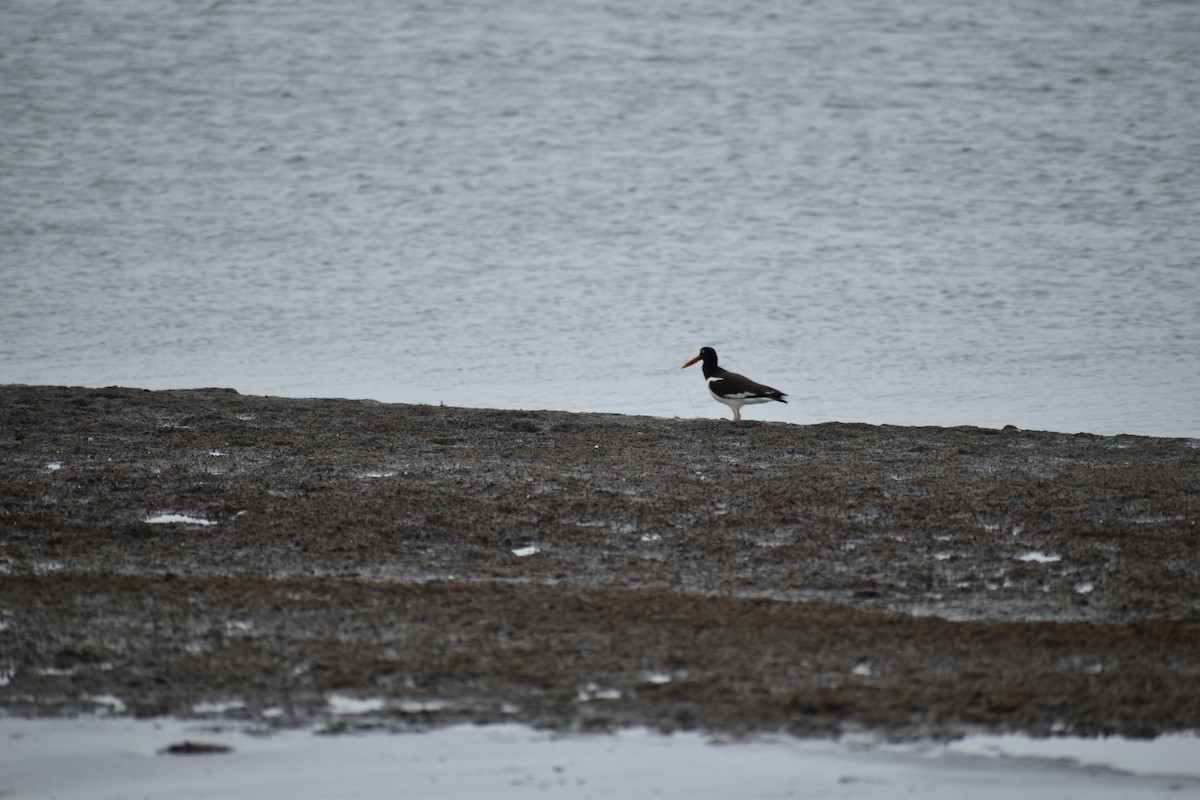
pixel 730 388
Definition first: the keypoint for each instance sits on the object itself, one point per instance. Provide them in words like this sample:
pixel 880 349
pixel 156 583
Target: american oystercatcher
pixel 730 388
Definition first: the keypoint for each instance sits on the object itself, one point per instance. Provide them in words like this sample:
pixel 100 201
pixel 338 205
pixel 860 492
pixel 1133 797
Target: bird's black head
pixel 708 356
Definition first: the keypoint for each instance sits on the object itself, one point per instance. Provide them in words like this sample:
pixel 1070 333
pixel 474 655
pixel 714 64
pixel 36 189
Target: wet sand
pixel 205 553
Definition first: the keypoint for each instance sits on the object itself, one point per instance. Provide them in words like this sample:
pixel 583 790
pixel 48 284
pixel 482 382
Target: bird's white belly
pixel 735 401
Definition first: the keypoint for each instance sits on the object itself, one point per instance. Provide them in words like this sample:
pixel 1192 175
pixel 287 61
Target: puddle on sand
pixel 217 708
pixel 342 704
pixel 183 519
pixel 1038 557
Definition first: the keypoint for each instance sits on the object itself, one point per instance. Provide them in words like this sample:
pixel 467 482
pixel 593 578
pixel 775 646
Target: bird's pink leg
pixel 737 415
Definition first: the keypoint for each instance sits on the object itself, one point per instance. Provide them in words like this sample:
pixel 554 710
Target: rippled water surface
pixel 918 213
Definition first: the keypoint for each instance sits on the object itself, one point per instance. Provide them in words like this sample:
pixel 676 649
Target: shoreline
pixel 200 548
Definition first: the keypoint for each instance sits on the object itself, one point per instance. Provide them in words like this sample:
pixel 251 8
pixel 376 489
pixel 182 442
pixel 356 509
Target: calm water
pixel 919 213
pixel 101 756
